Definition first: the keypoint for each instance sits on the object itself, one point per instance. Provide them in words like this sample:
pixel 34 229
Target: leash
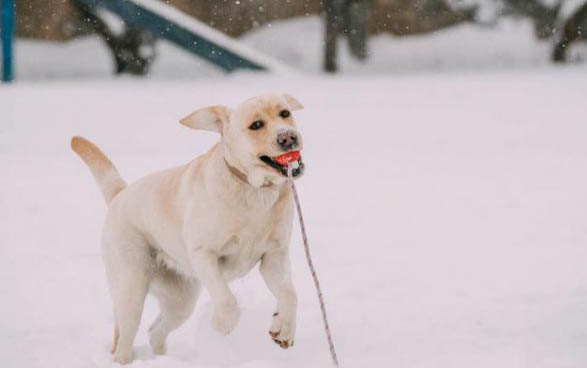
pixel 290 167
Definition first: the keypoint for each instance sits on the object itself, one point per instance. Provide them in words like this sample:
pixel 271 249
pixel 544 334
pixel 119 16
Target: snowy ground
pixel 447 212
pixel 447 216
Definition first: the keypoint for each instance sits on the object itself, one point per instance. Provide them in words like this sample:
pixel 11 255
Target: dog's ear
pixel 209 118
pixel 292 102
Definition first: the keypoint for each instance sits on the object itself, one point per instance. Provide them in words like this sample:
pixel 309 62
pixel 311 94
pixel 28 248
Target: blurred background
pixel 94 39
pixel 444 195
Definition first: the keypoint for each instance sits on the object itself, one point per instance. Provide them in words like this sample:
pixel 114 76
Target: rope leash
pixel 290 167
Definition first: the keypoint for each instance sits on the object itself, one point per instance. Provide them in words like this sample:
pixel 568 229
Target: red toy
pixel 288 157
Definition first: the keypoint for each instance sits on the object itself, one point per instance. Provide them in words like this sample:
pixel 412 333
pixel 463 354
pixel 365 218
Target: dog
pixel 203 224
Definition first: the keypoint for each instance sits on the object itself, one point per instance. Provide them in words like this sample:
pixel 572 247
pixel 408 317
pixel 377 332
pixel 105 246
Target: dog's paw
pixel 122 357
pixel 158 345
pixel 282 331
pixel 157 337
pixel 225 317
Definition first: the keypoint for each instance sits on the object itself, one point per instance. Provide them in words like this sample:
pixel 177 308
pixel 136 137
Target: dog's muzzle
pixel 288 140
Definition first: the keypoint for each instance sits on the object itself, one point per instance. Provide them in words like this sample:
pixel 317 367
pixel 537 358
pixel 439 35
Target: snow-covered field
pixel 447 215
pixel 447 212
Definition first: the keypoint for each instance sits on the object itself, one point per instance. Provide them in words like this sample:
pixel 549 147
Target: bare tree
pixel 544 18
pixel 573 30
pixel 347 17
pixel 356 19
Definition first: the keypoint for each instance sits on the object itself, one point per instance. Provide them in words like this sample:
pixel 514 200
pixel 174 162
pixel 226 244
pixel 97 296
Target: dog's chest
pixel 245 246
pixel 239 231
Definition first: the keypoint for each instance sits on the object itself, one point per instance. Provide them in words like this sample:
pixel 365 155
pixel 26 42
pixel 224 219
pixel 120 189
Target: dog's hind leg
pixel 129 267
pixel 128 307
pixel 115 340
pixel 177 297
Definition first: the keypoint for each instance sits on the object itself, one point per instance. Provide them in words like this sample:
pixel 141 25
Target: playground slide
pixel 167 22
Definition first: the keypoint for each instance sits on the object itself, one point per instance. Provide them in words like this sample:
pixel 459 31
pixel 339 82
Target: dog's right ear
pixel 292 102
pixel 210 118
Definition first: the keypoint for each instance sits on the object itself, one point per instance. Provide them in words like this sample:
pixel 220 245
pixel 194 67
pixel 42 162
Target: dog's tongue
pixel 286 158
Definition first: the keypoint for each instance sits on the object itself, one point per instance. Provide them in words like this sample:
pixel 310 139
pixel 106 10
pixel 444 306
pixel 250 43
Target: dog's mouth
pixel 274 162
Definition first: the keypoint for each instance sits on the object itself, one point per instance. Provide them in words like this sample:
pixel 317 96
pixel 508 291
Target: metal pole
pixel 7 32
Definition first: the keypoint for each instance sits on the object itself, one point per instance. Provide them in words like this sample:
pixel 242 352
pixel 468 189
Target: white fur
pixel 197 225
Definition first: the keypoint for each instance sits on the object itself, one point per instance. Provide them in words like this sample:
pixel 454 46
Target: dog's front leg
pixel 226 311
pixel 275 269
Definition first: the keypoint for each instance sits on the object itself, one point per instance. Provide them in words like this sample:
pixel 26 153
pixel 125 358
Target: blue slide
pixel 165 21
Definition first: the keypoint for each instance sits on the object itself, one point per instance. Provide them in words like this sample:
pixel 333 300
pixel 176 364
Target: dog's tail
pixel 105 173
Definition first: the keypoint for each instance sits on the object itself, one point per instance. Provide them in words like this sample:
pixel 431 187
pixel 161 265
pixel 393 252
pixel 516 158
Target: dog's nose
pixel 287 140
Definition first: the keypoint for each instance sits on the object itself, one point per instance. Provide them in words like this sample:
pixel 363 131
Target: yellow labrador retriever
pixel 203 224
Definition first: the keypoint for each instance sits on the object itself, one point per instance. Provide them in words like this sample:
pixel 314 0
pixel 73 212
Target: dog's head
pixel 254 134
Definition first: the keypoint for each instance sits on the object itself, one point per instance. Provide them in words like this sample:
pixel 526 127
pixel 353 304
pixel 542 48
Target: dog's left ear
pixel 210 118
pixel 292 102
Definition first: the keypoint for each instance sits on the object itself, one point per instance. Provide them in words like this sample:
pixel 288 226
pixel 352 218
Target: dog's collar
pixel 242 176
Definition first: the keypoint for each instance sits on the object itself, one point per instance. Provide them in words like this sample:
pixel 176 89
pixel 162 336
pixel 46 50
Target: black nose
pixel 287 140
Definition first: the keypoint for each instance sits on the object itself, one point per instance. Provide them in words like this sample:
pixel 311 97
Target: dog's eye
pixel 257 125
pixel 284 113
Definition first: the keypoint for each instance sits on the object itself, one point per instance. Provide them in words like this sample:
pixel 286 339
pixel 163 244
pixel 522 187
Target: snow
pixel 446 215
pixel 446 210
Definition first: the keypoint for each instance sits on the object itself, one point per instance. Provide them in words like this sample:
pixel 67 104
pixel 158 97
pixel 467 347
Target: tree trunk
pixel 575 29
